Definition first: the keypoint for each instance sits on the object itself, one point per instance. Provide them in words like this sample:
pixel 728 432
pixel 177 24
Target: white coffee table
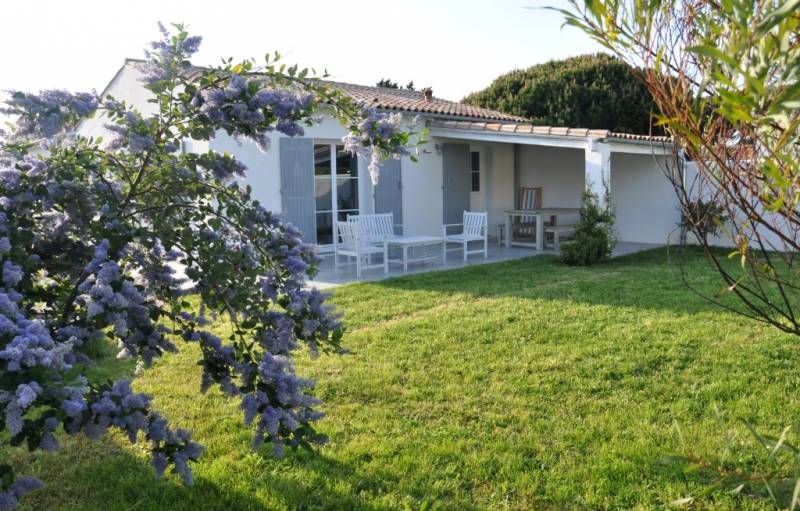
pixel 406 242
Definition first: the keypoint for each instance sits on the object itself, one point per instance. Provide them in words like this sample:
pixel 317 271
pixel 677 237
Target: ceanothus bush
pixel 105 240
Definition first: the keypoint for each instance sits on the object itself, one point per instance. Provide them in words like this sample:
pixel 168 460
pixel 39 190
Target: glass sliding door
pixel 336 188
pixel 346 183
pixel 323 193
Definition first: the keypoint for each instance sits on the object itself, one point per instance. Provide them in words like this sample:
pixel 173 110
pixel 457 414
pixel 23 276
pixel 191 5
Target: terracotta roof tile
pixel 577 132
pixel 403 100
pixel 414 101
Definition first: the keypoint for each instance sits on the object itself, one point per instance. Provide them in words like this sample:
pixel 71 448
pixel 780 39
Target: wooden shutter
pixel 297 185
pixel 389 192
pixel 457 181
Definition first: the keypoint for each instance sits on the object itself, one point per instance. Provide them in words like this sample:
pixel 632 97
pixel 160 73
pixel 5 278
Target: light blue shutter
pixel 297 185
pixel 389 192
pixel 457 182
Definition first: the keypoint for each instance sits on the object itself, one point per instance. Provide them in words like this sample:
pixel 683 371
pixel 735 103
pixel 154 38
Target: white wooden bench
pixel 377 227
pixel 559 231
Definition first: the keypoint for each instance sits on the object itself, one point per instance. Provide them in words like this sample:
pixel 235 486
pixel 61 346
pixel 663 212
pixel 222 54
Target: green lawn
pixel 519 385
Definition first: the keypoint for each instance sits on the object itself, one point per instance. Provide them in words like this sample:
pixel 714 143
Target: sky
pixel 455 47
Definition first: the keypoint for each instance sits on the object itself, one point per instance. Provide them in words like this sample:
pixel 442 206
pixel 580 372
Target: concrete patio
pixel 329 276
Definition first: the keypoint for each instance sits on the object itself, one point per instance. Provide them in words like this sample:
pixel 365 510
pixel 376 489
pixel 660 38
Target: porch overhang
pixel 508 138
pixel 526 134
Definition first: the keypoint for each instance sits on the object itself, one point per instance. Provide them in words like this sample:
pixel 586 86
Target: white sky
pixel 454 46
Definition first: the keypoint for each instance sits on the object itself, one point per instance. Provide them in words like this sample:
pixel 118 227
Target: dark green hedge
pixel 589 91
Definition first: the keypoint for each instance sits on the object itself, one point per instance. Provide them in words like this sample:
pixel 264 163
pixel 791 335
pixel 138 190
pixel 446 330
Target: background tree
pixel 589 91
pixel 91 231
pixel 389 84
pixel 725 76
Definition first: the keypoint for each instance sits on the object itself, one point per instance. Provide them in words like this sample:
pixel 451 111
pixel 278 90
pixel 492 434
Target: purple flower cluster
pixel 174 447
pixel 9 497
pixel 370 136
pixel 248 108
pixel 131 132
pixel 119 406
pixel 112 296
pixel 280 403
pixel 223 167
pixel 165 57
pixel 46 114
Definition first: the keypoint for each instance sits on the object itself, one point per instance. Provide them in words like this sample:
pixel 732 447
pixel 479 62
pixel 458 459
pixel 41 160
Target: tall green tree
pixel 589 91
pixel 387 83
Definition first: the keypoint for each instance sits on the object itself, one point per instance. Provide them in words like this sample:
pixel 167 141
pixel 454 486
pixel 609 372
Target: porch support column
pixel 598 170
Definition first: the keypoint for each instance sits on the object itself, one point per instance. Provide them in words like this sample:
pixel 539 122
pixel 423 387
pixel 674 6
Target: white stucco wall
pixel 422 192
pixel 644 201
pixel 760 234
pixel 125 86
pixel 559 171
pixel 500 188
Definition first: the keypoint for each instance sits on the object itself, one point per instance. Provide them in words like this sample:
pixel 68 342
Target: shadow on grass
pixel 647 280
pixel 363 486
pixel 87 475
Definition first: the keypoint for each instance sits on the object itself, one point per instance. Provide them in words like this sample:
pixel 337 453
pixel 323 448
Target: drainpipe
pixel 516 177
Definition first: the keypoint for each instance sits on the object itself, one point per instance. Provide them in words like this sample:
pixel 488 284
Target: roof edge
pixel 493 114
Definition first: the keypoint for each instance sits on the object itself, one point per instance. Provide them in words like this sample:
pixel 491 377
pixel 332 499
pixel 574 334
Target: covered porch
pixel 518 174
pixel 544 171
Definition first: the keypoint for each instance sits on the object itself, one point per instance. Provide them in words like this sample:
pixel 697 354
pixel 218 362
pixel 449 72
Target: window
pixel 475 162
pixel 335 188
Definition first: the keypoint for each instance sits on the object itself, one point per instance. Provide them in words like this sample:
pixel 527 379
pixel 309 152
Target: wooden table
pixel 539 214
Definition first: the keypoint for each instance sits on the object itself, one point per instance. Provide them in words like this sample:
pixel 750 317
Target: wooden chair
pixel 525 226
pixel 475 227
pixel 350 243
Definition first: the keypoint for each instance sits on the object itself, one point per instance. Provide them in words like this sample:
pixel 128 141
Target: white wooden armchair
pixel 350 243
pixel 474 227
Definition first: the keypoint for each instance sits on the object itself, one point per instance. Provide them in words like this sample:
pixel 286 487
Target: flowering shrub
pixel 93 234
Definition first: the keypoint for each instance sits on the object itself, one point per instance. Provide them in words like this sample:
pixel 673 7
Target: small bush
pixel 704 218
pixel 594 240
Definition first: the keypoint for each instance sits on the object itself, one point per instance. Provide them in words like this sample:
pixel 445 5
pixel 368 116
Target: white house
pixel 476 159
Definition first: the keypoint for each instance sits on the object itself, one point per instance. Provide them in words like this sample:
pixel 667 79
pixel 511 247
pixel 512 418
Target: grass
pixel 519 385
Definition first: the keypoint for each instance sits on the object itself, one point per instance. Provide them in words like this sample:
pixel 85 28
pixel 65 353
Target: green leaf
pixel 714 53
pixel 795 495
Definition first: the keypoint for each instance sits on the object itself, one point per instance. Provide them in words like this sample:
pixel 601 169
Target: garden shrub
pixel 594 240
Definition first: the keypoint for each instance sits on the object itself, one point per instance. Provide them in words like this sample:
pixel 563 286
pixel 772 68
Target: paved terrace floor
pixel 329 276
